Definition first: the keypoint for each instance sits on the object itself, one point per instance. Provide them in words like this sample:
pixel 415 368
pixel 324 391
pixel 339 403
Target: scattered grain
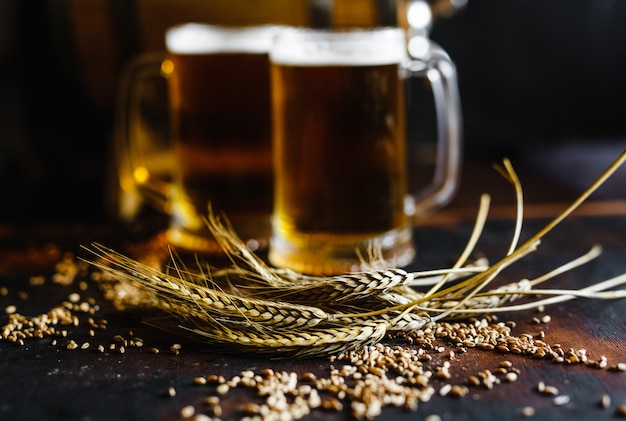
pixel 561 400
pixel 511 376
pixel 187 411
pixel 605 401
pixel 445 389
pixel 541 387
pixel 216 410
pixel 202 417
pixel 458 391
pixel 550 390
pixel 212 400
pixel 528 411
pixel 506 364
pixel 473 381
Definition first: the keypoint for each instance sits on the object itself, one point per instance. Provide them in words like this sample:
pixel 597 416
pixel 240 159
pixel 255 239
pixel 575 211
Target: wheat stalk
pixel 173 292
pixel 251 306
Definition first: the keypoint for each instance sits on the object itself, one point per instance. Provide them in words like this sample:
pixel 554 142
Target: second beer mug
pixel 220 132
pixel 340 150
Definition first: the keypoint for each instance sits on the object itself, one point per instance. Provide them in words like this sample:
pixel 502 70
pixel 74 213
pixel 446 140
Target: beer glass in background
pixel 220 131
pixel 339 121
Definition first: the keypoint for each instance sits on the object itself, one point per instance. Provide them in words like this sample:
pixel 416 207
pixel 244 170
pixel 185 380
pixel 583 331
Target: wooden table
pixel 41 379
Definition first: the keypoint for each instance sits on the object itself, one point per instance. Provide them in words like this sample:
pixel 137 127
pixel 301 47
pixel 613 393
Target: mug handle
pixel 139 181
pixel 438 68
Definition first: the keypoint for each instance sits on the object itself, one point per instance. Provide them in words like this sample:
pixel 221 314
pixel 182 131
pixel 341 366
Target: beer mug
pixel 219 153
pixel 340 147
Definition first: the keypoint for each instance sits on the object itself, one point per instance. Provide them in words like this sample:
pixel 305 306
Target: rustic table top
pixel 44 379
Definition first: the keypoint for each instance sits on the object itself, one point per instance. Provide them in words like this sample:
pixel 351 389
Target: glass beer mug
pixel 217 150
pixel 340 147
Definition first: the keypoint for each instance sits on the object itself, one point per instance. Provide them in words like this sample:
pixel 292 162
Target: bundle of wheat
pixel 250 306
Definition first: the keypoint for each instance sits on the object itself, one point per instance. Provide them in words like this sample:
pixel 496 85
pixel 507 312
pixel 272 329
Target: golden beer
pixel 340 156
pixel 218 80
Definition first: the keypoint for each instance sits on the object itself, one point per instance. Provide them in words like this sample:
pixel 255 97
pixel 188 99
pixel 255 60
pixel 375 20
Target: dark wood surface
pixel 42 380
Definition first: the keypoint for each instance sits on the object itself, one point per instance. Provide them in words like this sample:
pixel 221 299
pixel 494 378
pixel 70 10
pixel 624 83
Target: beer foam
pixel 365 47
pixel 196 38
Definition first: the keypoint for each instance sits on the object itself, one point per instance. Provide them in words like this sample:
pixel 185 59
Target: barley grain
pixel 188 411
pixel 458 391
pixel 445 389
pixel 528 411
pixel 511 376
pixel 541 387
pixel 561 400
pixel 213 400
pixel 506 364
pixel 550 390
pixel 605 401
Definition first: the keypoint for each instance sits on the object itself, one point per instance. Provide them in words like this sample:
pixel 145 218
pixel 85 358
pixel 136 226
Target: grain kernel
pixel 550 390
pixel 511 376
pixel 561 400
pixel 605 401
pixel 213 400
pixel 199 380
pixel 188 411
pixel 528 411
